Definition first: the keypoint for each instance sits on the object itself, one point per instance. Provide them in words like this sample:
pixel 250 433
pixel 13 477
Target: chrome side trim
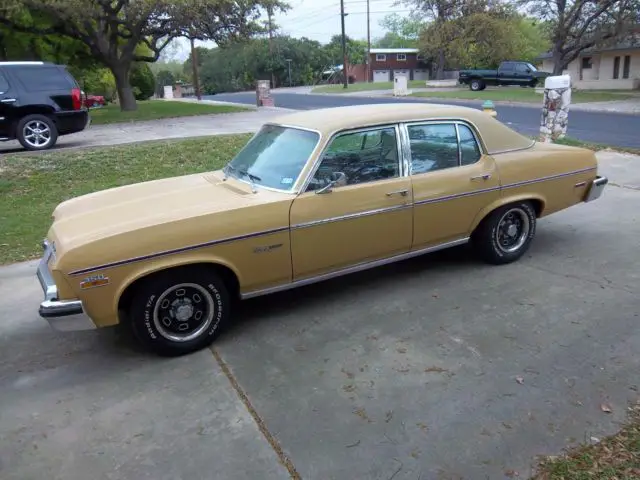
pixel 177 250
pixel 457 195
pixel 353 269
pixel 550 177
pixel 509 150
pixel 351 216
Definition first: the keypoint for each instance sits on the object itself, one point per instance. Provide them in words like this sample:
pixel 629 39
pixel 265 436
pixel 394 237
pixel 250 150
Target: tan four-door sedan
pixel 312 196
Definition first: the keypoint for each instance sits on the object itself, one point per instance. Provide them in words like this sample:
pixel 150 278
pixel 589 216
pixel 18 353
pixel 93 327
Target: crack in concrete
pixel 610 284
pixel 275 445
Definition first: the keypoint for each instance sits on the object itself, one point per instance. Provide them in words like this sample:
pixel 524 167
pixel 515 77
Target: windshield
pixel 274 158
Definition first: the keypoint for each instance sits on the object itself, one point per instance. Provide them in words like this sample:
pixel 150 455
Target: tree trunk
pixel 559 62
pixel 123 85
pixel 440 67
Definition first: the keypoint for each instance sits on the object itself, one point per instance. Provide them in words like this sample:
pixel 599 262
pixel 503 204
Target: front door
pixel 6 105
pixel 365 215
pixel 452 181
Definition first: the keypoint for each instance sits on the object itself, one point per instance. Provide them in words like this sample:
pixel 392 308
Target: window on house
pixel 626 67
pixel 616 68
pixel 381 57
pixel 401 57
pixel 587 62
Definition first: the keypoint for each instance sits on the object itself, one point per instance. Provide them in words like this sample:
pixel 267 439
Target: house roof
pixel 395 50
pixel 628 45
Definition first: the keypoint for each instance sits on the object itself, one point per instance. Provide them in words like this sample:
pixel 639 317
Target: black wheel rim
pixel 512 231
pixel 183 312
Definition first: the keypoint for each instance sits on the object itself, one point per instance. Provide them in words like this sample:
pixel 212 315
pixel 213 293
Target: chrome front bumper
pixel 596 188
pixel 63 315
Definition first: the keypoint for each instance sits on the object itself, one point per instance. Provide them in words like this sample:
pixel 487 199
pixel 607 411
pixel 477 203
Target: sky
pixel 320 20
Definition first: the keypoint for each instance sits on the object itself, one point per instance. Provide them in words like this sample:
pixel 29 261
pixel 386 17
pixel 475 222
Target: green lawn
pixel 32 185
pixel 614 457
pixel 156 109
pixel 519 94
pixel 363 87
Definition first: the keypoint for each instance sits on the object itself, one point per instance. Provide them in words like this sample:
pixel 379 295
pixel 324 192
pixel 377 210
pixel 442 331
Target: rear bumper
pixel 596 188
pixel 72 122
pixel 63 315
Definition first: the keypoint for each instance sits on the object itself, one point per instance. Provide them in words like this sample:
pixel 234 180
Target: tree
pixel 142 81
pixel 356 50
pixel 577 25
pixel 402 32
pixel 114 29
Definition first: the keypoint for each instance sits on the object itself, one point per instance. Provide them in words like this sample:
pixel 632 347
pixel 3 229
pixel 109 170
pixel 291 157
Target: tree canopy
pixel 113 30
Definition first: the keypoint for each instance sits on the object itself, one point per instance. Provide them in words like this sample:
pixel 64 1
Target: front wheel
pixel 179 311
pixel 505 235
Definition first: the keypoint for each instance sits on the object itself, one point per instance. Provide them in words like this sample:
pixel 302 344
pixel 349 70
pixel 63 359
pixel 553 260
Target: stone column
pixel 263 94
pixel 555 108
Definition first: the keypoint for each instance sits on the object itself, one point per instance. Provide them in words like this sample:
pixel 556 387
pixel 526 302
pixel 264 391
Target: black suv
pixel 38 102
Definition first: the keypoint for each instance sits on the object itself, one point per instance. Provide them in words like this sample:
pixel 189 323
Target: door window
pixel 435 147
pixel 4 85
pixel 359 157
pixel 469 149
pixel 521 68
pixel 507 67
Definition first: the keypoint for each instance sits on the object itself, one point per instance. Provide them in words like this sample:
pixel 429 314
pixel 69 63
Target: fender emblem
pixel 94 281
pixel 266 249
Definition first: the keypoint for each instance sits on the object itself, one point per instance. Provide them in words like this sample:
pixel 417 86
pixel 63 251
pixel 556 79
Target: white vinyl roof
pixel 395 50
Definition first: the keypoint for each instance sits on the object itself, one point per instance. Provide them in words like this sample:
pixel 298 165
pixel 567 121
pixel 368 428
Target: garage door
pixel 381 75
pixel 401 72
pixel 420 75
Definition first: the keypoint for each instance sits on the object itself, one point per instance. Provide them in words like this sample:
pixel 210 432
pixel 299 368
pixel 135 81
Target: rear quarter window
pixel 39 79
pixel 4 85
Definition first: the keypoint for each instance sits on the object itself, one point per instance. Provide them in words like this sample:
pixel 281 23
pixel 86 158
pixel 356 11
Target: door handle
pixel 404 193
pixel 8 100
pixel 485 176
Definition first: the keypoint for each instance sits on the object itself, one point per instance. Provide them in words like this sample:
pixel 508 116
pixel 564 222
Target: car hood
pixel 135 207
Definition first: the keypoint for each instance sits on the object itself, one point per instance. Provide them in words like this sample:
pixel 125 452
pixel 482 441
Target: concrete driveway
pixel 436 368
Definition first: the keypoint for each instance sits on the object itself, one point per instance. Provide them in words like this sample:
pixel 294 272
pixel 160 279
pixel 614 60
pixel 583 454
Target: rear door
pixel 7 99
pixel 523 74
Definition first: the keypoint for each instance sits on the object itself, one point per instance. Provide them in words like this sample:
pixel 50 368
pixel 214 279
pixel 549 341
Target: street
pixel 619 130
pixel 440 367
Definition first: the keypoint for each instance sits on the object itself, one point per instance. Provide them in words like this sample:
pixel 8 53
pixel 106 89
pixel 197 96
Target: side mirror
pixel 338 178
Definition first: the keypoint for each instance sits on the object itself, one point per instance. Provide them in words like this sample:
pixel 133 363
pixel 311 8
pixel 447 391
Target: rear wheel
pixel 476 85
pixel 505 235
pixel 37 132
pixel 179 311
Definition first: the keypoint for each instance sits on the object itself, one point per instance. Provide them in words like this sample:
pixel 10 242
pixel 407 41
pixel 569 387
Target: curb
pixel 206 101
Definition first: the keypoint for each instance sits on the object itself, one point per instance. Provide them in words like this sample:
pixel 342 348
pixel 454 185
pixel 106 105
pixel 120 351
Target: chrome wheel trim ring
pixel 514 217
pixel 205 296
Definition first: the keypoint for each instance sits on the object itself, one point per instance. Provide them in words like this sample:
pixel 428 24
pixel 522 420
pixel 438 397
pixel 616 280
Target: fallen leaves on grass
pixel 616 457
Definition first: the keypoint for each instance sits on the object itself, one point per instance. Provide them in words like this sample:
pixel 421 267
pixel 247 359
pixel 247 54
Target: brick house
pixel 386 63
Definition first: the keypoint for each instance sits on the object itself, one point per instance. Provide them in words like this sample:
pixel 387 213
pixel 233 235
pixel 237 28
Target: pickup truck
pixel 509 73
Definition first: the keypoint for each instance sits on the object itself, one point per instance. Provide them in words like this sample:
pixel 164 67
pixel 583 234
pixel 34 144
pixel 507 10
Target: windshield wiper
pixel 228 168
pixel 252 178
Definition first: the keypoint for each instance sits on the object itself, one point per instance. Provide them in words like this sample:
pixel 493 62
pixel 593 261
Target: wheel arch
pixel 537 201
pixel 125 294
pixel 22 112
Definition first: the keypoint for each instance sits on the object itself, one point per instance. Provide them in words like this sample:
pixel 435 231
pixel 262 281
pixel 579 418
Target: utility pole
pixel 270 15
pixel 344 46
pixel 368 44
pixel 194 62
